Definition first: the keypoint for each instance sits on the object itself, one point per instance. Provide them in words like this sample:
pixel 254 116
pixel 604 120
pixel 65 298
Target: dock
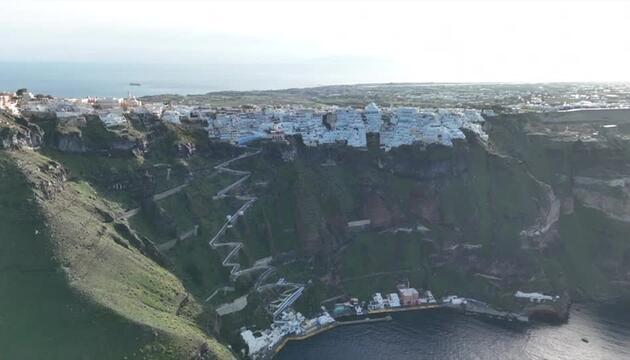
pixel 391 310
pixel 294 326
pixel 474 307
pixel 363 321
pixel 318 331
pixel 404 308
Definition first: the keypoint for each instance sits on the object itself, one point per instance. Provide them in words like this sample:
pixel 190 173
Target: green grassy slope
pixel 73 287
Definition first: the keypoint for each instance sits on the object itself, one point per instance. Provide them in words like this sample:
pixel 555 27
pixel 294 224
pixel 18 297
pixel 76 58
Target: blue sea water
pixel 94 79
pixel 445 335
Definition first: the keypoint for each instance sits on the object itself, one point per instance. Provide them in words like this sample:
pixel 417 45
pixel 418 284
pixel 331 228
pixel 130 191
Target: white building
pixel 8 103
pixel 111 119
pixel 405 115
pixel 254 343
pixel 152 108
pixel 373 118
pixel 535 297
pixel 377 302
pixel 454 300
pixel 171 116
pixel 394 300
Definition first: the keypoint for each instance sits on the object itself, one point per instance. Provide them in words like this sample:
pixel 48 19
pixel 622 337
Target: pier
pixel 475 307
pixel 322 329
pixel 405 308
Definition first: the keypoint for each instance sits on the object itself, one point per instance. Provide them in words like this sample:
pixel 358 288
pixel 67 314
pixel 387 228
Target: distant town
pixel 395 126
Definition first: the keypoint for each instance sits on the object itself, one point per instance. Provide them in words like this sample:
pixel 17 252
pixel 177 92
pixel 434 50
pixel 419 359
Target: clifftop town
pixel 395 126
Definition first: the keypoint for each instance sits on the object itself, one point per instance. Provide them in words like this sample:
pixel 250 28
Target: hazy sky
pixel 411 40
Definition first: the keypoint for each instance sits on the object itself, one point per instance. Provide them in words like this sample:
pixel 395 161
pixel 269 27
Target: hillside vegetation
pixel 78 285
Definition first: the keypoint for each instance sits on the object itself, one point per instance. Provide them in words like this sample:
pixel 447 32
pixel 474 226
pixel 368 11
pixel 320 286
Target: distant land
pixel 106 79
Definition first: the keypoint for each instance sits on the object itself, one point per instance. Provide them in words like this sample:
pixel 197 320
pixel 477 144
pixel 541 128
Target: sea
pixel 114 79
pixel 592 332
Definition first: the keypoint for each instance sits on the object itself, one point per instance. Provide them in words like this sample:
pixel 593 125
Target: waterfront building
pixel 394 300
pixel 261 344
pixel 409 296
pixel 254 343
pixel 377 302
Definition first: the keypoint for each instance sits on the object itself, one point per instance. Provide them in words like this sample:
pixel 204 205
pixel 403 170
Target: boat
pixel 134 84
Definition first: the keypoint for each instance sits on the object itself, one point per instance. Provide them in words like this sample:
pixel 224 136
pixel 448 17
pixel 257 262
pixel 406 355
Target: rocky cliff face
pixel 17 133
pixel 585 168
pixel 525 211
pixel 469 207
pixel 71 142
pixel 610 195
pixel 89 135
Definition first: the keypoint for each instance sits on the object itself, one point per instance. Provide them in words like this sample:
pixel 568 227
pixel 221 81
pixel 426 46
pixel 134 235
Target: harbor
pixel 331 326
pixel 293 326
pixel 447 334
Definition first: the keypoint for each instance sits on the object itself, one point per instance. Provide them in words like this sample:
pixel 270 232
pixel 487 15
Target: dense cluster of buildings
pixel 289 323
pixel 111 111
pixel 394 126
pixel 334 125
pixel 262 343
pixel 406 296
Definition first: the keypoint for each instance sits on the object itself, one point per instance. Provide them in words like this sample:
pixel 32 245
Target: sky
pixel 413 41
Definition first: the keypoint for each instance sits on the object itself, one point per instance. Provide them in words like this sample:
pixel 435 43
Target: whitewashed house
pixel 111 119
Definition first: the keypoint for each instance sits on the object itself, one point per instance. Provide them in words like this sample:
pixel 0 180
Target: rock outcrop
pixel 608 195
pixel 19 133
pixel 70 142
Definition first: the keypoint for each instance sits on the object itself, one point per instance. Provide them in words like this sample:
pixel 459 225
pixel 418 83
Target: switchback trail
pixel 288 292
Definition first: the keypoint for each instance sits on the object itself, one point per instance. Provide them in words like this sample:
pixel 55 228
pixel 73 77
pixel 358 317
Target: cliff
pixel 76 281
pixel 18 133
pixel 541 206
